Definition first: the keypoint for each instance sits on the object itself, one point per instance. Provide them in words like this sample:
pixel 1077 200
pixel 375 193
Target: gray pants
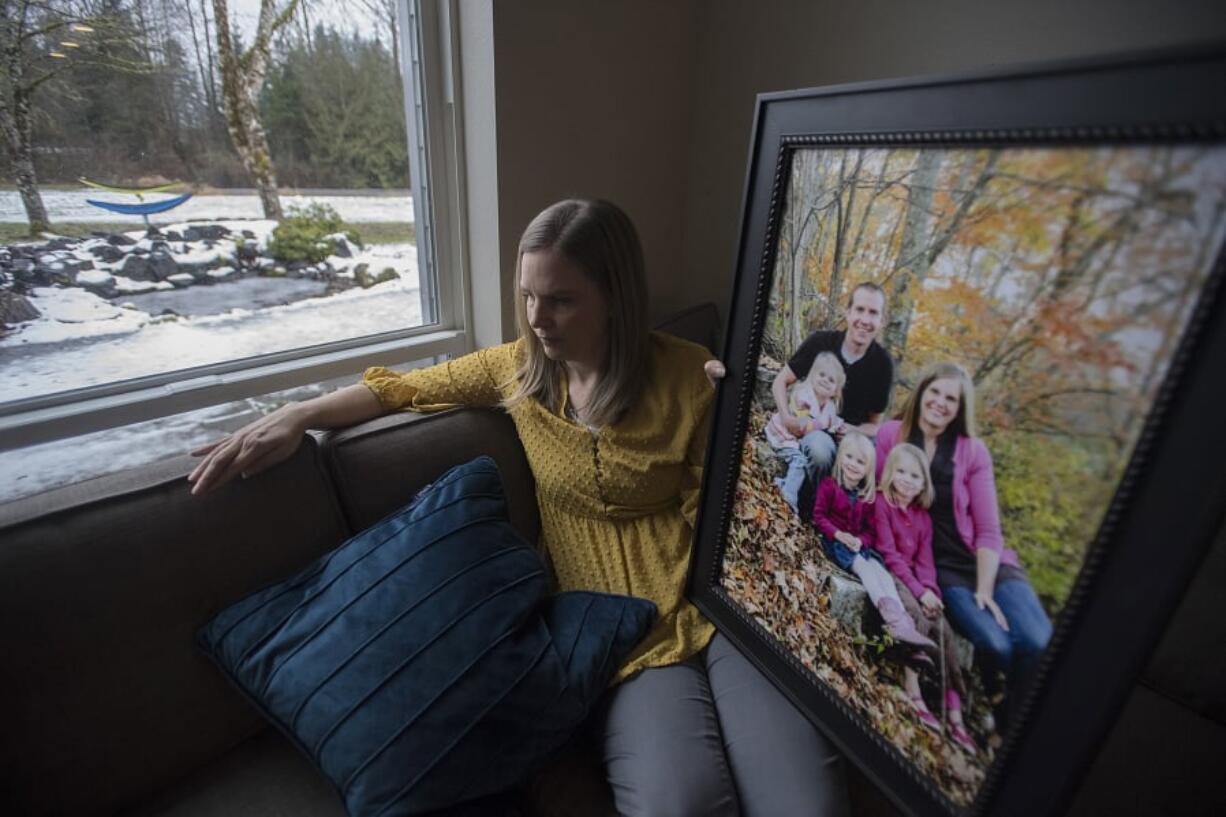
pixel 713 737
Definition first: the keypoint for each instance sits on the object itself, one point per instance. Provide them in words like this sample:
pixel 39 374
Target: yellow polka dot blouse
pixel 617 506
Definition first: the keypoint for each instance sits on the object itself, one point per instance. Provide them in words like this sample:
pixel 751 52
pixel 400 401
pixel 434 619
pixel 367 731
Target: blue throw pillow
pixel 423 663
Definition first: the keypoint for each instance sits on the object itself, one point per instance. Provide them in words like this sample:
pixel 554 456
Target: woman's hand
pixel 248 451
pixel 986 602
pixel 715 371
pixel 931 604
pixel 272 439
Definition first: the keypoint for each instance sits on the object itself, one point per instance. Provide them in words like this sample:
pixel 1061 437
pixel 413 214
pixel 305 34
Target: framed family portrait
pixel 970 448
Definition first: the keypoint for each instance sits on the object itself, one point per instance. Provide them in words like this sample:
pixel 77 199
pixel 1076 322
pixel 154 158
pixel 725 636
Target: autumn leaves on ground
pixel 773 567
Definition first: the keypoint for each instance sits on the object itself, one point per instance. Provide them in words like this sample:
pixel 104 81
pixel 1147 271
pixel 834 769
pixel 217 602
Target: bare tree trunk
pixel 17 125
pixel 31 199
pixel 16 122
pixel 242 77
pixel 844 213
pixel 205 80
pixel 914 238
pixel 211 89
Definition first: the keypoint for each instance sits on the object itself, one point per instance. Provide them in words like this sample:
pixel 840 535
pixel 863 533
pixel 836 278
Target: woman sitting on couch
pixel 613 419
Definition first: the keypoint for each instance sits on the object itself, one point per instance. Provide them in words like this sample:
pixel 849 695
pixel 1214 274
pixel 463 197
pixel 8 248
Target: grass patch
pixel 19 231
pixel 385 232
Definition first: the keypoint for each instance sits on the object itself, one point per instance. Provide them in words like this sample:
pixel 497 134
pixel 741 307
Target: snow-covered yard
pixel 82 338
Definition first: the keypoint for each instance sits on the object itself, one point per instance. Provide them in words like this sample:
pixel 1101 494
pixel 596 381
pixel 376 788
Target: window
pixel 140 333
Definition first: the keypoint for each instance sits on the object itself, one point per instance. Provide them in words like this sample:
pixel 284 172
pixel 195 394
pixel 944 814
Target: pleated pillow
pixel 422 663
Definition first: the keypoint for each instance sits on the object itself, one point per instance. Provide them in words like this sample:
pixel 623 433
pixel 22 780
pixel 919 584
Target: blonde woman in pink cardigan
pixel 986 594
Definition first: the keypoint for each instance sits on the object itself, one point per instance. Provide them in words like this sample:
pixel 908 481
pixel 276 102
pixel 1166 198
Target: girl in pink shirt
pixel 843 516
pixel 904 539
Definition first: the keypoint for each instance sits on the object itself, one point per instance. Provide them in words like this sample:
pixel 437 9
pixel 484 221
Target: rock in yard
pixel 108 253
pixel 120 240
pixel 340 245
pixel 129 287
pixel 361 274
pixel 137 268
pixel 221 273
pixel 181 280
pixel 15 308
pixel 248 253
pixel 212 232
pixel 54 273
pixel 98 282
pixel 163 265
pixel 23 270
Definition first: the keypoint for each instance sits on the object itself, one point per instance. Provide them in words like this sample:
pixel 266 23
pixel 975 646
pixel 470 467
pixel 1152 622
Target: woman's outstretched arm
pixel 273 438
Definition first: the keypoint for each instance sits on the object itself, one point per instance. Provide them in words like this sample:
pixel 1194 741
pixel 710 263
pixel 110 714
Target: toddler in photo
pixel 815 401
pixel 845 520
pixel 904 540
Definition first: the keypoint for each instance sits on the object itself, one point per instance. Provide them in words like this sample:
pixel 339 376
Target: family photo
pixel 959 352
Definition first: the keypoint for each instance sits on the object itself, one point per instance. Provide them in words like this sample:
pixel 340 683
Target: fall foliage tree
pixel 1061 278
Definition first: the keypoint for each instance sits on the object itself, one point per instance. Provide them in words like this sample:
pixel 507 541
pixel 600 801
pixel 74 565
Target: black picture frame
pixel 1167 505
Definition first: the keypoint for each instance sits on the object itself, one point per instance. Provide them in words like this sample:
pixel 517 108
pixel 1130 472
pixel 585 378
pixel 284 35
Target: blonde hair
pixel 835 369
pixel 856 440
pixel 927 494
pixel 963 422
pixel 600 239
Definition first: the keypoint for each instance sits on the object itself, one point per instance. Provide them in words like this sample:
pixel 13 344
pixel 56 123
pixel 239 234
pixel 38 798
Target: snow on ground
pixel 70 205
pixel 82 340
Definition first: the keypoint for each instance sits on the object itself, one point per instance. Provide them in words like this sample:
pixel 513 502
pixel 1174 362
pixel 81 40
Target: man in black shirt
pixel 868 366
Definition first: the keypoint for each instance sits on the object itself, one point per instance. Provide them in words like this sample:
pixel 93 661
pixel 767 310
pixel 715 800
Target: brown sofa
pixel 110 710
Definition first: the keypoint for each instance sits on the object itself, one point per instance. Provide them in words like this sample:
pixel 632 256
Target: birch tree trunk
pixel 242 78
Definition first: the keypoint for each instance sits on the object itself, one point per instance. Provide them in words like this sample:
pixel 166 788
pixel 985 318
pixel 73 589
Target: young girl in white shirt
pixel 814 400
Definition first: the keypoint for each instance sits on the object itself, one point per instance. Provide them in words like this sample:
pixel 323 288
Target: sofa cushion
pixel 379 465
pixel 103 585
pixel 419 664
pixel 264 776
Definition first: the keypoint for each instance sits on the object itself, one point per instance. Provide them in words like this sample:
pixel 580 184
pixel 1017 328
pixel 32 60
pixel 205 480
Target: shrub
pixel 304 234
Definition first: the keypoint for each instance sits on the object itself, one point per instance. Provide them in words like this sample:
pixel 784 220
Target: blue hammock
pixel 145 209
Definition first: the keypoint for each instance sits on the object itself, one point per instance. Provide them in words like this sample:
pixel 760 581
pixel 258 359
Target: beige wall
pixel 747 48
pixel 594 99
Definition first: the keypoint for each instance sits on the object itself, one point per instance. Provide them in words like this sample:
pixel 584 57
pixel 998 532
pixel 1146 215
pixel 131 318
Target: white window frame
pixel 429 65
